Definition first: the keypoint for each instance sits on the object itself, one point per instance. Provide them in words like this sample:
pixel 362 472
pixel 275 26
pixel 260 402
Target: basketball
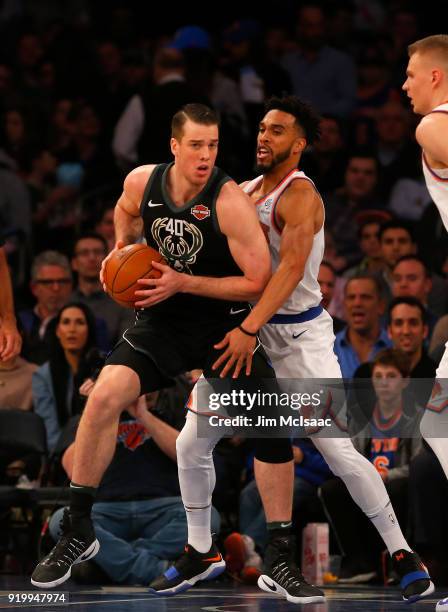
pixel 125 267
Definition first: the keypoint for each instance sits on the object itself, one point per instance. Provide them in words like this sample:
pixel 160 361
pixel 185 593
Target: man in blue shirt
pixel 363 337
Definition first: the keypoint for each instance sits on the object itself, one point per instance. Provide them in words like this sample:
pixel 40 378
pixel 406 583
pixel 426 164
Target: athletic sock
pixel 81 502
pixel 279 529
pixel 199 532
pixel 389 529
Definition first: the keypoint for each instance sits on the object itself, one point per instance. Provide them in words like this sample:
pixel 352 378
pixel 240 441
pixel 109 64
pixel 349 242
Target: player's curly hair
pixel 306 117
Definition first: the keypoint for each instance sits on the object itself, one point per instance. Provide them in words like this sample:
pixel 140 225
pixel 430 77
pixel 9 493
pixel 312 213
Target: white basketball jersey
pixel 437 179
pixel 307 293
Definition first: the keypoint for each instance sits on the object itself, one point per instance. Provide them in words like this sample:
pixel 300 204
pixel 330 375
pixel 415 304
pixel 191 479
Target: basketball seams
pixel 125 261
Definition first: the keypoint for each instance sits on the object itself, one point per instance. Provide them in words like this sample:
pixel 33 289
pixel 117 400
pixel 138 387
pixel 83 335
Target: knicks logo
pixel 132 435
pixel 178 241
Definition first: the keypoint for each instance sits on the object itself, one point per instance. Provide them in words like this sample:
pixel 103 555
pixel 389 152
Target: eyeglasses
pixel 85 252
pixel 47 282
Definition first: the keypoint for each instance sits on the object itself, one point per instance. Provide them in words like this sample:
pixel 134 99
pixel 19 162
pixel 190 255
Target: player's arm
pixel 239 223
pixel 10 339
pixel 431 136
pixel 127 219
pixel 300 212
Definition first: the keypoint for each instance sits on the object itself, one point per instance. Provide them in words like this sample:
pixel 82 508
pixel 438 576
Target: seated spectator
pixel 389 441
pixel 407 329
pixel 105 227
pixel 369 244
pixel 439 338
pixel 357 194
pixel 326 161
pixel 139 517
pixel 363 336
pixel 51 285
pixel 15 383
pixel 396 240
pixel 311 470
pixel 411 277
pixel 327 279
pixel 89 251
pixel 56 383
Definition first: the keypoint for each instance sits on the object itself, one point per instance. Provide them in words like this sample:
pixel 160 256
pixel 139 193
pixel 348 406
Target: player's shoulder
pixel 138 177
pixel 231 192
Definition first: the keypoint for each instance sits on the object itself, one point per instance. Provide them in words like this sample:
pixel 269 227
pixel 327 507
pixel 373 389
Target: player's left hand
pixel 10 340
pixel 155 290
pixel 239 351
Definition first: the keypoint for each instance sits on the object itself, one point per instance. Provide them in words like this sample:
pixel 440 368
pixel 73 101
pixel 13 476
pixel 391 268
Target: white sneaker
pixel 442 605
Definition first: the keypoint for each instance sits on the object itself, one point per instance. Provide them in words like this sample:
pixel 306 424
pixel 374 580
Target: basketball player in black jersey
pixel 218 259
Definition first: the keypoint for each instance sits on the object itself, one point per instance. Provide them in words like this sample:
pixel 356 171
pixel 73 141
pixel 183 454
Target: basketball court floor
pixel 216 597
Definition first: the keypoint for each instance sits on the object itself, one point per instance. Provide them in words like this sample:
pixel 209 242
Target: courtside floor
pixel 216 597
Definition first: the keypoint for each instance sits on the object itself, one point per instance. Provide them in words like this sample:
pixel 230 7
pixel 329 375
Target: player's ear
pixel 174 145
pixel 436 76
pixel 299 146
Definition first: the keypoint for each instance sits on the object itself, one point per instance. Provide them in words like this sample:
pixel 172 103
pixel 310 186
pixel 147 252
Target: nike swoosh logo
pixel 212 559
pixel 237 311
pixel 272 587
pixel 298 335
pixel 151 205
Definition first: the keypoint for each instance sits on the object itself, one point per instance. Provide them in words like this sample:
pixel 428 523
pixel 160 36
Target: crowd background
pixel 87 91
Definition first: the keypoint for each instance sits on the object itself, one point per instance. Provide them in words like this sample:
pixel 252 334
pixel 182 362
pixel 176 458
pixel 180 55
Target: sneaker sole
pixel 91 552
pixel 276 588
pixel 442 605
pixel 429 591
pixel 211 572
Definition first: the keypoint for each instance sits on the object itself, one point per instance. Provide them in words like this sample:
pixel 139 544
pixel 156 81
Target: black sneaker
pixel 415 581
pixel 72 547
pixel 356 571
pixel 282 576
pixel 191 567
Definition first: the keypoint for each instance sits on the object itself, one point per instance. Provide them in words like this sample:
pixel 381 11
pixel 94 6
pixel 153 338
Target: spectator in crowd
pixel 311 470
pixel 51 285
pixel 389 441
pixel 15 202
pixel 408 329
pixel 143 129
pixel 369 244
pixel 56 383
pixel 325 163
pixel 411 277
pixel 105 227
pixel 358 194
pixel 319 73
pixel 396 150
pixel 89 251
pixel 327 280
pixel 363 336
pixel 138 512
pixel 15 383
pixel 396 239
pixel 374 80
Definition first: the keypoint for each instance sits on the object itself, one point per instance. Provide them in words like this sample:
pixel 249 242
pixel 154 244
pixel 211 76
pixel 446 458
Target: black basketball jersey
pixel 189 238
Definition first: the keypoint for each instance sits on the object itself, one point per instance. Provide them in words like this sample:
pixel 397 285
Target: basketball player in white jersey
pixel 427 87
pixel 295 330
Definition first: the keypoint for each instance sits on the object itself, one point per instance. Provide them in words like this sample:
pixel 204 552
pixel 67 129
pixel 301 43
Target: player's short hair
pixel 409 300
pixel 411 257
pixel 197 113
pixel 367 276
pixel 307 119
pixel 397 224
pixel 50 258
pixel 395 358
pixel 437 43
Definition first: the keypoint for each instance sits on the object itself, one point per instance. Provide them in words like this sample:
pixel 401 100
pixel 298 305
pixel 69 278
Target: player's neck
pixel 439 99
pixel 275 176
pixel 180 189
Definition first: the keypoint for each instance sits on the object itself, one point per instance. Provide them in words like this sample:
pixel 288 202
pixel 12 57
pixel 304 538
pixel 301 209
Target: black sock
pixel 81 502
pixel 279 529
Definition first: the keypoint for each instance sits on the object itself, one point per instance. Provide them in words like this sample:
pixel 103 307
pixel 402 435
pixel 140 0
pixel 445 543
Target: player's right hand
pixel 118 245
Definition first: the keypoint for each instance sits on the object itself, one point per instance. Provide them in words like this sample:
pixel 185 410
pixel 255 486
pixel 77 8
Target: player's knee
pixel 273 450
pixel 103 403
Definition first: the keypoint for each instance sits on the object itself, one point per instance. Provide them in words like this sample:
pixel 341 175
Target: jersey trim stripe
pixel 441 179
